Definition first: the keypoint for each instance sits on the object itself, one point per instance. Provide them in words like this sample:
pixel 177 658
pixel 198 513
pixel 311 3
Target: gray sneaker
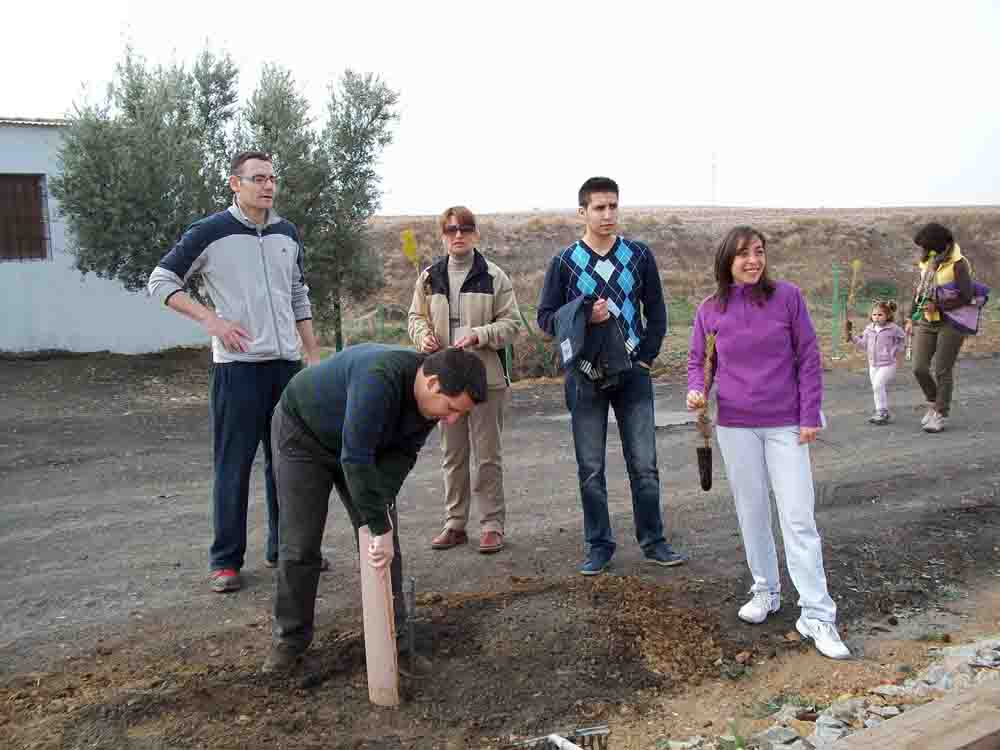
pixel 281 658
pixel 936 423
pixel 931 411
pixel 880 417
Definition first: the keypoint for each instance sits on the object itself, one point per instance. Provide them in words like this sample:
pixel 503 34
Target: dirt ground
pixel 111 639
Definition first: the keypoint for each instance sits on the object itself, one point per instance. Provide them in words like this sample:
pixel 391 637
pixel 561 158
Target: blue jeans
pixel 632 401
pixel 243 397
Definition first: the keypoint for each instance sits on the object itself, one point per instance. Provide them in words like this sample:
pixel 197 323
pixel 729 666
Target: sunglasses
pixel 451 229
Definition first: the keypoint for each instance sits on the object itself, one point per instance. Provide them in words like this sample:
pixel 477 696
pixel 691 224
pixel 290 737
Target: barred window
pixel 24 223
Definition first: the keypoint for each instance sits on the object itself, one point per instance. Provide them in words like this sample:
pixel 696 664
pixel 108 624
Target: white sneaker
pixel 824 635
pixel 931 411
pixel 936 423
pixel 761 604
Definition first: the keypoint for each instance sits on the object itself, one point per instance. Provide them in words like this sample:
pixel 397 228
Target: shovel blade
pixel 705 467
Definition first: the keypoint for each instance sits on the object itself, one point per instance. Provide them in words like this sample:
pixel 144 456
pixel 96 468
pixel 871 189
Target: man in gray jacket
pixel 250 260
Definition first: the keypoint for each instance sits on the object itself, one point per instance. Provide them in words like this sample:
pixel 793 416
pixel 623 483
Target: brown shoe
pixel 491 541
pixel 449 538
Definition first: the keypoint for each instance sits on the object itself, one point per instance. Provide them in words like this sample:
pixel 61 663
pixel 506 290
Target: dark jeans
pixel 243 397
pixel 632 401
pixel 941 343
pixel 306 474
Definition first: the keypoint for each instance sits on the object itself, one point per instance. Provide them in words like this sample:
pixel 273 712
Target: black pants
pixel 306 473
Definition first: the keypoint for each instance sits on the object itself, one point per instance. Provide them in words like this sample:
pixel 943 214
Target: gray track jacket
pixel 253 275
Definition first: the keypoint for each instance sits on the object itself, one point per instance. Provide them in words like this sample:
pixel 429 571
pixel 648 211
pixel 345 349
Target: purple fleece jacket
pixel 768 371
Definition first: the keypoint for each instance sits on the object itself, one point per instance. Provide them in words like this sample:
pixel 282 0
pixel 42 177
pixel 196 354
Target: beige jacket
pixel 488 307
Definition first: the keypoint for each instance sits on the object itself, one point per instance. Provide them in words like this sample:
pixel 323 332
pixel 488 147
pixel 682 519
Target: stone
pixel 850 711
pixel 695 743
pixel 886 712
pixel 938 676
pixel 800 744
pixel 873 722
pixel 828 730
pixel 986 657
pixel 970 651
pixel 889 691
pixel 788 712
pixel 775 738
pixel 963 681
pixel 990 675
pixel 803 728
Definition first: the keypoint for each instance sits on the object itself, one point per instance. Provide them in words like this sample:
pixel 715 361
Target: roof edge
pixel 37 122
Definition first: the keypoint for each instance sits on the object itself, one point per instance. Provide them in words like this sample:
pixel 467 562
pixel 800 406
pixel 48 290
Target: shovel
pixel 704 427
pixel 703 424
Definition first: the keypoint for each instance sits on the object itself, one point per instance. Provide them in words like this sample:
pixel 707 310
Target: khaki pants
pixel 474 440
pixel 941 343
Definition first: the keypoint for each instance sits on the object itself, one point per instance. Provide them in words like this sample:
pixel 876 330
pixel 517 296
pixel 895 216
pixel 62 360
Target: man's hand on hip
pixel 232 335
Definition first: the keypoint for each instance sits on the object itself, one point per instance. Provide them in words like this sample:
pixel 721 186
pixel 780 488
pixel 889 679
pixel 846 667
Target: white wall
pixel 50 305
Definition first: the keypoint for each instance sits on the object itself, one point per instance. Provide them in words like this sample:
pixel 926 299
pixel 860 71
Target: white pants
pixel 752 457
pixel 881 377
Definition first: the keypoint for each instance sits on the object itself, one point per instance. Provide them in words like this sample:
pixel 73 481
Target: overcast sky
pixel 511 105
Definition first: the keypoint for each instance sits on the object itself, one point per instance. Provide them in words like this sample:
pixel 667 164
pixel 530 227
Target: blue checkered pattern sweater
pixel 626 277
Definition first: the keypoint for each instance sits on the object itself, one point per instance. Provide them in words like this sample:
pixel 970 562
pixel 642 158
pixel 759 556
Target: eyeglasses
pixel 261 179
pixel 451 229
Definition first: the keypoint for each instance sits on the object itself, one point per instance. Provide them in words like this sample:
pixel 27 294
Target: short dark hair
pixel 934 237
pixel 458 371
pixel 595 185
pixel 735 240
pixel 243 157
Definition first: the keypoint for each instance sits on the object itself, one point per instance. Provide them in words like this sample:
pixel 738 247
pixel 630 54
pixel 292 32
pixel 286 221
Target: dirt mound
pixel 538 654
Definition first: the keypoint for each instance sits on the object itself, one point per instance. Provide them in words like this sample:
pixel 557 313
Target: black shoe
pixel 281 658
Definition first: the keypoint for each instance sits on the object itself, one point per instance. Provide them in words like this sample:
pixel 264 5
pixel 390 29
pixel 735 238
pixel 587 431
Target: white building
pixel 45 303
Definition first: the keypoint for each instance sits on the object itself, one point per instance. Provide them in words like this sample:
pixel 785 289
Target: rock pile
pixel 798 727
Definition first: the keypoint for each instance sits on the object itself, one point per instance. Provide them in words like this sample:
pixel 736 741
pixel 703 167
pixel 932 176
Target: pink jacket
pixel 882 345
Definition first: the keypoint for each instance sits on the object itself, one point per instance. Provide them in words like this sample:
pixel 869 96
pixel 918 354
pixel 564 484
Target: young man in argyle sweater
pixel 621 284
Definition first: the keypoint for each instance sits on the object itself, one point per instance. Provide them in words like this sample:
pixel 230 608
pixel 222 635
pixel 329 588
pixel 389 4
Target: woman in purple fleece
pixel 769 388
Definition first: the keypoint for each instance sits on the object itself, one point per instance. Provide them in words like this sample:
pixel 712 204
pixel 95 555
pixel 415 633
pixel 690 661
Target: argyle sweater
pixel 626 277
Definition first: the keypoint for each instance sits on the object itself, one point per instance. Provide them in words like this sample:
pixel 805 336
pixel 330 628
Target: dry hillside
pixel 803 246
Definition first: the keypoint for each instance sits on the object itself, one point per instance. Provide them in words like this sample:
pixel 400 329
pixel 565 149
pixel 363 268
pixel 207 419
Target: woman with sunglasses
pixel 466 301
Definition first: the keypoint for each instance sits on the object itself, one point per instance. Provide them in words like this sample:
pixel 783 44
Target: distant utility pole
pixel 713 177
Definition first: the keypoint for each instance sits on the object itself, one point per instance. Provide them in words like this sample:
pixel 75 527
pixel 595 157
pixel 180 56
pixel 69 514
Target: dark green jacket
pixel 359 404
